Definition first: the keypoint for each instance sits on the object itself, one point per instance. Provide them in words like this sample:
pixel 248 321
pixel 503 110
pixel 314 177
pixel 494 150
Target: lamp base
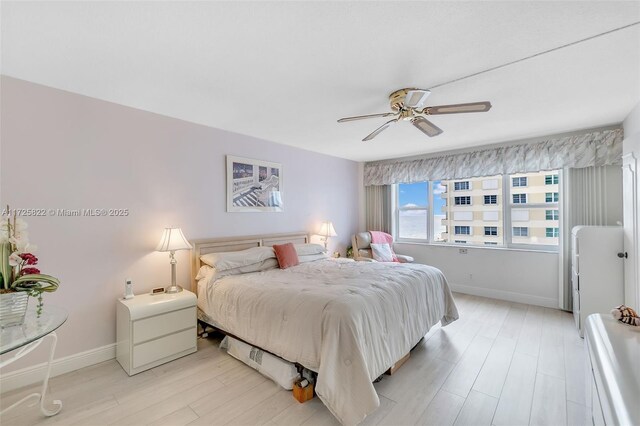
pixel 173 289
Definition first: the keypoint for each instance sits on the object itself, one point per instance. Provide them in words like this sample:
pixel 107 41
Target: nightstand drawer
pixel 159 325
pixel 146 353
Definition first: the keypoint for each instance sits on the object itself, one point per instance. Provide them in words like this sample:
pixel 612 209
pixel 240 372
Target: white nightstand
pixel 152 330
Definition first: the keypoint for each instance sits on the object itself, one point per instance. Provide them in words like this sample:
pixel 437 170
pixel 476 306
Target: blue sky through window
pixel 415 194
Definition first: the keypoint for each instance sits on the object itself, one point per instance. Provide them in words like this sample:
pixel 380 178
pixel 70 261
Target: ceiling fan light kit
pixel 409 105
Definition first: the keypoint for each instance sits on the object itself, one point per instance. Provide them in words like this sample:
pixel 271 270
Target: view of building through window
pixel 474 209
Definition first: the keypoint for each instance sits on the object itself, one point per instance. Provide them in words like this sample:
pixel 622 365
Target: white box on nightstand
pixel 154 329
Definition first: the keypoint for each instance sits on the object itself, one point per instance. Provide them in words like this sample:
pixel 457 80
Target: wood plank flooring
pixel 502 363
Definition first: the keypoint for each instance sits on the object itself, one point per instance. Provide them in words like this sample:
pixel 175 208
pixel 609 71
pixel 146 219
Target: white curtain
pixel 591 196
pixel 598 148
pixel 378 208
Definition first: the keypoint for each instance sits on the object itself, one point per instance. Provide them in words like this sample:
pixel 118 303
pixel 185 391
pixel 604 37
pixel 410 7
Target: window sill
pixel 475 247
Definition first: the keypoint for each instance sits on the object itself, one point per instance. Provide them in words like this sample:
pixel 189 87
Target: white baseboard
pixel 506 295
pixel 30 375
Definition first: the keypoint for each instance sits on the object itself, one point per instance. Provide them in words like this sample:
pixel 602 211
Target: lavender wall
pixel 65 151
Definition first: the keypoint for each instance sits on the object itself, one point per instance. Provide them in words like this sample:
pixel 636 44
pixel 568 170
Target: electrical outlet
pixel 462 251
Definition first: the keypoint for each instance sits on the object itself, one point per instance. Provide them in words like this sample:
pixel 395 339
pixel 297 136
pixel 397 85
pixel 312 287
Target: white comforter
pixel 349 322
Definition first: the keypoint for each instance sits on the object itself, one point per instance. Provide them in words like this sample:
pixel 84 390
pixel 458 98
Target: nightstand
pixel 154 329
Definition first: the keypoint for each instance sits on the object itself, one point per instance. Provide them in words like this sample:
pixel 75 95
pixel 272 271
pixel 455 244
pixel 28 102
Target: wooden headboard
pixel 218 245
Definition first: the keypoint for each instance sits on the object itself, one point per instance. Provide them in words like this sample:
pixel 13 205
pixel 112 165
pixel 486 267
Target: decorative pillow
pixel 204 272
pixel 235 259
pixel 308 249
pixel 286 255
pixel 312 257
pixel 382 252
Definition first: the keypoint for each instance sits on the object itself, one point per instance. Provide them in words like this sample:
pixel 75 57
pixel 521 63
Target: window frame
pixel 555 216
pixel 455 199
pixel 484 200
pixel 456 227
pixel 555 232
pixel 519 194
pixel 505 209
pixel 555 197
pixel 468 186
pixel 490 228
pixel 555 179
pixel 519 185
pixel 513 231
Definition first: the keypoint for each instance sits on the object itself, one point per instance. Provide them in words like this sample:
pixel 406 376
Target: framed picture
pixel 253 185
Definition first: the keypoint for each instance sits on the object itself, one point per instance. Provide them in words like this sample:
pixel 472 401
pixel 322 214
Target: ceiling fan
pixel 409 105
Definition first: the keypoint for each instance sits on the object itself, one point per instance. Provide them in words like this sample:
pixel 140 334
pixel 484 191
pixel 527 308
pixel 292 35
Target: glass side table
pixel 28 336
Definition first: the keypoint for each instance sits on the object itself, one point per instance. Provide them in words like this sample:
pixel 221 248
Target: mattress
pixel 348 321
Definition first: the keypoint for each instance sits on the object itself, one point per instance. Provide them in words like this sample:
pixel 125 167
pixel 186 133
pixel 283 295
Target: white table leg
pixel 45 384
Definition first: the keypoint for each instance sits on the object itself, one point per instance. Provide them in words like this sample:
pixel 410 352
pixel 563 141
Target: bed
pixel 347 321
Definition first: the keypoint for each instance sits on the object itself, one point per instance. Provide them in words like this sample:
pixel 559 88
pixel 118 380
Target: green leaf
pixel 36 282
pixel 5 268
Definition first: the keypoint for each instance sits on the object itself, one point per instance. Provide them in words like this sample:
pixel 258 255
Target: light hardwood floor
pixel 502 363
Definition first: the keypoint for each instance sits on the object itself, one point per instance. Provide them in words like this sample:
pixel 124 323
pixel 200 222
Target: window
pixel 506 211
pixel 461 186
pixel 551 197
pixel 520 231
pixel 491 199
pixel 553 232
pixel 518 181
pixel 462 230
pixel 551 179
pixel 413 203
pixel 462 201
pixel 491 231
pixel 519 198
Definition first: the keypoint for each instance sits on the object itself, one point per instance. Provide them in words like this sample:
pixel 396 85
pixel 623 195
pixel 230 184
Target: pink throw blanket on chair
pixel 378 237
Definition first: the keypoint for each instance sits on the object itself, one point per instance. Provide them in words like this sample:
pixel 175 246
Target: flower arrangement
pixel 18 271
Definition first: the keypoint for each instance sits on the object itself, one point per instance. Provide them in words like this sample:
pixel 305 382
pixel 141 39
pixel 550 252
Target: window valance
pixel 600 148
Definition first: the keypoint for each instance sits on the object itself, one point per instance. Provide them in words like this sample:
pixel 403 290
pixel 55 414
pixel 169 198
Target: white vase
pixel 13 307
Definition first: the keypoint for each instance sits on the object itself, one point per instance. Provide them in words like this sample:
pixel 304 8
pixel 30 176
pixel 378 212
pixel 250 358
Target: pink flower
pixel 29 259
pixel 28 271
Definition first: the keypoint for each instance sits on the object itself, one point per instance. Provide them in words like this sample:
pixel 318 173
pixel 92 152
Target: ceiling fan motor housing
pixel 408 98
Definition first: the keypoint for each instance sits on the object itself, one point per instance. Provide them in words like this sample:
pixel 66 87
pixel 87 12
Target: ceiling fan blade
pixel 426 127
pixel 379 130
pixel 458 108
pixel 362 117
pixel 416 98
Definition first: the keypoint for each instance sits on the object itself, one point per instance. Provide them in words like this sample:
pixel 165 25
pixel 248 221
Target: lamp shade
pixel 327 230
pixel 173 239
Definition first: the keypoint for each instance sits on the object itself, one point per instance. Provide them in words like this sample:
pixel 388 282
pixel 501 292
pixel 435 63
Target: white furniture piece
pixel 597 271
pixel 614 355
pixel 26 338
pixel 154 329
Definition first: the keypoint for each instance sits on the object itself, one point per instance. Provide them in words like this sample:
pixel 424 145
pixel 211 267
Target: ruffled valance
pixel 599 148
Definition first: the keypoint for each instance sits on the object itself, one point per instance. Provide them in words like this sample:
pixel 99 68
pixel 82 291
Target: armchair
pixel 361 243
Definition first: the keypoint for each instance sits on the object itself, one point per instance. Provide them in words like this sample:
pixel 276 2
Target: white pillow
pixel 312 257
pixel 236 259
pixel 213 274
pixel 308 249
pixel 382 252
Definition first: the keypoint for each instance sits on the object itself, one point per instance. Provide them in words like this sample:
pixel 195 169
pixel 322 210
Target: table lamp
pixel 173 239
pixel 326 231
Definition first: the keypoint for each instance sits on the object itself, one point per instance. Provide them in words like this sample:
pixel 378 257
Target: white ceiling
pixel 286 71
